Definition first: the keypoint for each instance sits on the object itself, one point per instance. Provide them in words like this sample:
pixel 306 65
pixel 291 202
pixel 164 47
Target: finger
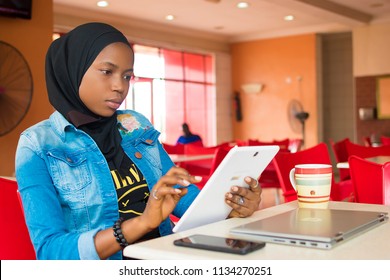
pixel 252 192
pixel 161 192
pixel 172 180
pixel 184 176
pixel 247 193
pixel 244 205
pixel 238 200
pixel 238 210
pixel 253 184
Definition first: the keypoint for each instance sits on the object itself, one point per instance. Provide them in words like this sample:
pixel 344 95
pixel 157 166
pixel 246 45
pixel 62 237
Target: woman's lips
pixel 113 104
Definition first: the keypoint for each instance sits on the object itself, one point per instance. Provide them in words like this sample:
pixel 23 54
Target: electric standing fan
pixel 16 86
pixel 297 117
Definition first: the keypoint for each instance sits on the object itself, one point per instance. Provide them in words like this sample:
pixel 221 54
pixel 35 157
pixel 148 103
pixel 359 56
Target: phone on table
pixel 220 244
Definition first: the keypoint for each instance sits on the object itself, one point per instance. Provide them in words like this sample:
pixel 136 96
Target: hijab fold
pixel 67 60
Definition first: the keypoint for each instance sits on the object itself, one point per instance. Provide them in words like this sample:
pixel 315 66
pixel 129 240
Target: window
pixel 171 87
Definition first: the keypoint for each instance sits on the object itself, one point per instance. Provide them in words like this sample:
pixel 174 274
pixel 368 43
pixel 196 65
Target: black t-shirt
pixel 132 192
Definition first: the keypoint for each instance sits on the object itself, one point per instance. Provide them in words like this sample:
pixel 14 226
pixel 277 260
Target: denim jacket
pixel 66 187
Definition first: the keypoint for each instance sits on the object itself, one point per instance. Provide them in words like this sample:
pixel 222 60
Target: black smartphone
pixel 220 244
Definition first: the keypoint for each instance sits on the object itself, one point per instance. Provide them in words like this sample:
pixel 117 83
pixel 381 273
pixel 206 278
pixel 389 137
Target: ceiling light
pixel 242 5
pixel 170 17
pixel 289 18
pixel 102 4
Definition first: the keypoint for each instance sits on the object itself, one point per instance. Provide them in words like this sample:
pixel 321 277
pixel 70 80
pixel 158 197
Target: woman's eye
pixel 127 77
pixel 106 72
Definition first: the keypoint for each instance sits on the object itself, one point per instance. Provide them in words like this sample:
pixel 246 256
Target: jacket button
pixel 138 155
pixel 69 160
pixel 149 141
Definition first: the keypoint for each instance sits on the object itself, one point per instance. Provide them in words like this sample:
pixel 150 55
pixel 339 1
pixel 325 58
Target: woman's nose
pixel 119 84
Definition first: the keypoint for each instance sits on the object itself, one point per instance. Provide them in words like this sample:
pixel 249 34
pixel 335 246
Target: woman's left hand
pixel 244 201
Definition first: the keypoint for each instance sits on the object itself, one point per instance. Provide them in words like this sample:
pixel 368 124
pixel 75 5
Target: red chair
pixel 269 178
pixel 385 140
pixel 219 155
pixel 371 181
pixel 362 151
pixel 340 152
pixel 295 145
pixel 173 149
pixel 367 141
pixel 283 144
pixel 15 242
pixel 198 167
pixel 284 162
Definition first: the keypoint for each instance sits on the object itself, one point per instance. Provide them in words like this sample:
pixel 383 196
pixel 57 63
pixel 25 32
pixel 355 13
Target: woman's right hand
pixel 164 197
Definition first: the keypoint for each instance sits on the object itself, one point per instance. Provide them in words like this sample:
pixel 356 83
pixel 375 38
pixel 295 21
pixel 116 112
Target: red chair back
pixel 219 155
pixel 371 181
pixel 198 167
pixel 341 154
pixel 283 144
pixel 367 141
pixel 284 162
pixel 173 149
pixel 295 145
pixel 354 149
pixel 385 140
pixel 15 242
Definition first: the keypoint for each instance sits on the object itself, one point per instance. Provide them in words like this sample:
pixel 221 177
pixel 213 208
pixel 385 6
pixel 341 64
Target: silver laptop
pixel 315 228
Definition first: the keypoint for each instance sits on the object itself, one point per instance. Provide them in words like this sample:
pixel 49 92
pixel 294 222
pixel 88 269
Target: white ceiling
pixel 263 19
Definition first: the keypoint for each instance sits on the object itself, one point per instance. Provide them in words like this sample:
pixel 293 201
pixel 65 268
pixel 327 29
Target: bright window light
pixel 242 5
pixel 102 4
pixel 289 18
pixel 170 17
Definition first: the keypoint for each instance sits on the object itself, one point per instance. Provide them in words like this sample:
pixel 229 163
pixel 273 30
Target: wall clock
pixel 16 87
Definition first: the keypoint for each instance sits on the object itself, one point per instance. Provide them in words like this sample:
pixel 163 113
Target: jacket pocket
pixel 72 180
pixel 69 171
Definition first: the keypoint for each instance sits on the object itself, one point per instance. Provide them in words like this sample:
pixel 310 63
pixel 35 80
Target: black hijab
pixel 67 60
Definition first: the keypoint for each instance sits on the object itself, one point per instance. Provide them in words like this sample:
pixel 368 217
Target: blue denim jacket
pixel 67 190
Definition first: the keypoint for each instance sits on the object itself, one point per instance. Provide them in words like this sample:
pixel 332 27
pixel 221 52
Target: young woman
pixel 92 178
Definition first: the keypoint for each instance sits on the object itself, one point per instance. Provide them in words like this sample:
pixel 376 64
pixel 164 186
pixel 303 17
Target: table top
pixel 8 178
pixel 378 159
pixel 184 158
pixel 372 244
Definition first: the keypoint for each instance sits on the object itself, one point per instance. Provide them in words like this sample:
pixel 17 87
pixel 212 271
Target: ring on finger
pixel 154 194
pixel 257 184
pixel 241 200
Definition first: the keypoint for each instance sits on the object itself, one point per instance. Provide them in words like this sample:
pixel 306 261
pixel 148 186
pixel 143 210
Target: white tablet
pixel 210 206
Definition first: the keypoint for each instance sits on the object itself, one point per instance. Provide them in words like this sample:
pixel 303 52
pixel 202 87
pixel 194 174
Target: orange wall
pixel 31 38
pixel 273 62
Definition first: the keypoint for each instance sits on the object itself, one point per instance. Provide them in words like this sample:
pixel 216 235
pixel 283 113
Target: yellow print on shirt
pixel 129 184
pixel 127 181
pixel 127 201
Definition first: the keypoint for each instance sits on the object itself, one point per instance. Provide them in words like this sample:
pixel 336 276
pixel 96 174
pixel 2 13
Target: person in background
pixel 188 137
pixel 93 178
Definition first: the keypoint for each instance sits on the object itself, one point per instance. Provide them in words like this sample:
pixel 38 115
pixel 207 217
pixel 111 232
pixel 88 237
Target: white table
pixel 378 159
pixel 184 158
pixel 373 244
pixel 8 178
